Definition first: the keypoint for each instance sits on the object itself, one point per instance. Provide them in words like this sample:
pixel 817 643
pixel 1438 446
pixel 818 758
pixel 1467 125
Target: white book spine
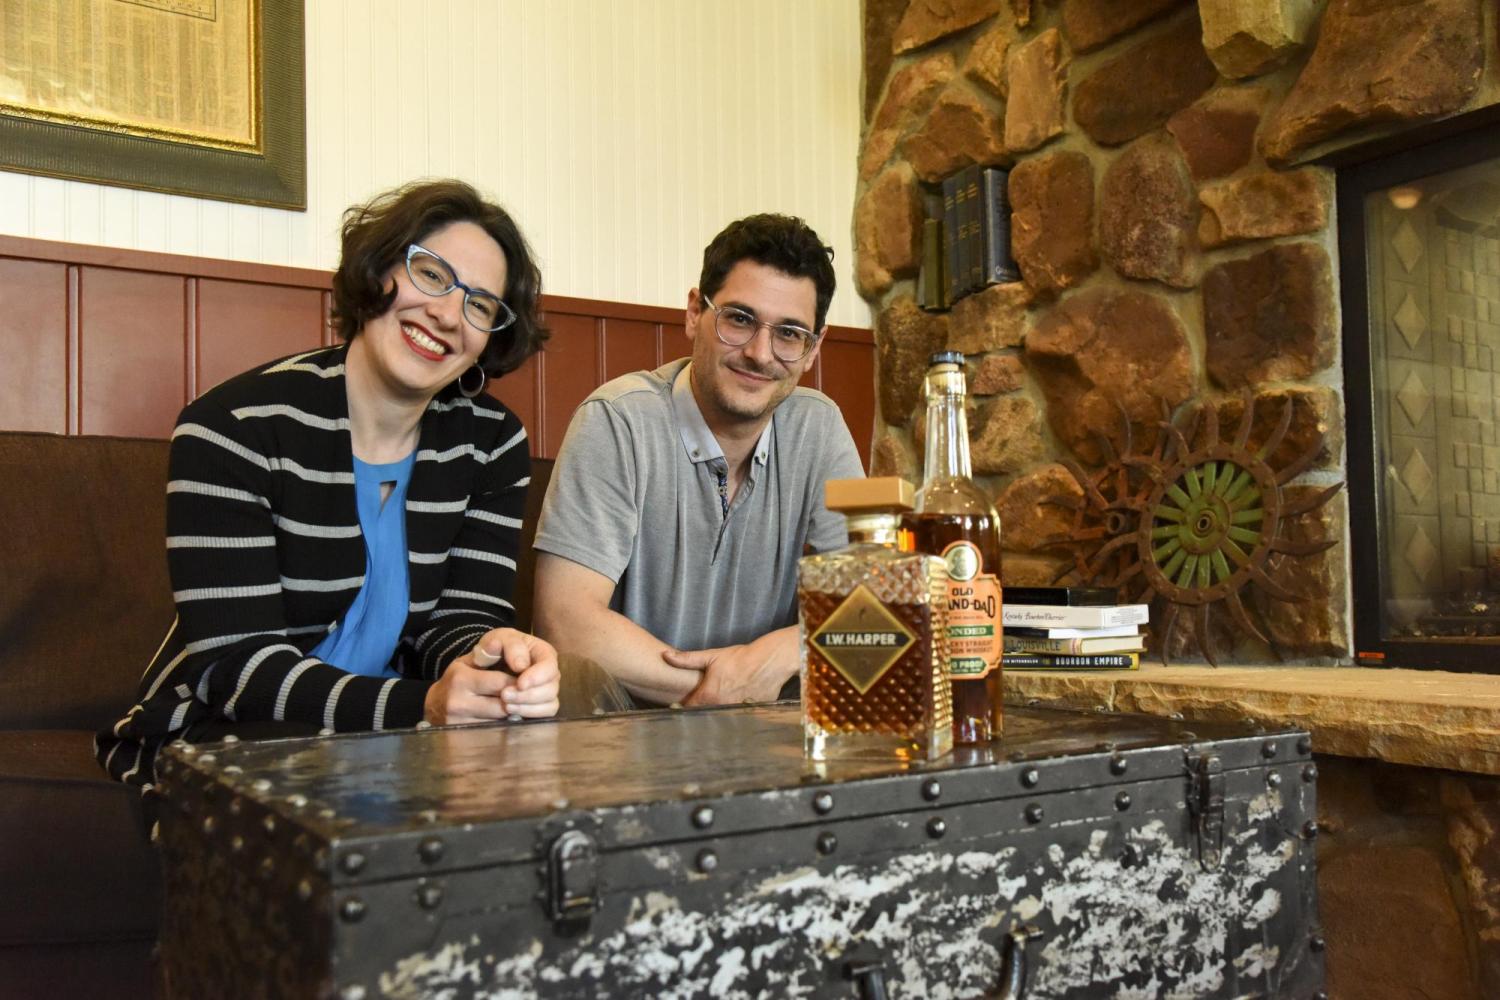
pixel 1061 616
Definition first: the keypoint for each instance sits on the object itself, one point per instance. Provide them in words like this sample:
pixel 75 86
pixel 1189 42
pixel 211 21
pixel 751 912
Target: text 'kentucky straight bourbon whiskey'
pixel 874 682
pixel 955 520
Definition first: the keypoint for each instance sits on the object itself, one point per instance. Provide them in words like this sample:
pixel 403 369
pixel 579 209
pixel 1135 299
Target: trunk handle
pixel 868 975
pixel 1013 963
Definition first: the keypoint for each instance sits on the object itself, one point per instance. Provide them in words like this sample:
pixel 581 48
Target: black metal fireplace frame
pixel 1393 160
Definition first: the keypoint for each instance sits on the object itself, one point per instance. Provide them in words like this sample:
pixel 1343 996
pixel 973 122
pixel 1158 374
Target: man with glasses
pixel 682 498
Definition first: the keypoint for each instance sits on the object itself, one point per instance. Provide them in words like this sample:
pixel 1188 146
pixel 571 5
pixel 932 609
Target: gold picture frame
pixel 262 160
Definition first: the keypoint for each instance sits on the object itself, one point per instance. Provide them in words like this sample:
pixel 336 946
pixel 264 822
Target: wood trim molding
pixel 851 334
pixel 668 316
pixel 87 255
pixel 25 248
pixel 571 306
pixel 112 341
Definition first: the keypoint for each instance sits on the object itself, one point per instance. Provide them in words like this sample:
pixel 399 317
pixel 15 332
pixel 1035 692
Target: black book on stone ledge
pixel 1069 597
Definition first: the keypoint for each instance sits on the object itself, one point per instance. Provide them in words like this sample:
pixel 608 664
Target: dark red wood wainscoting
pixel 95 340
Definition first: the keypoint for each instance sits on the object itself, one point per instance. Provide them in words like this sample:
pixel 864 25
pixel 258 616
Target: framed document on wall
pixel 194 97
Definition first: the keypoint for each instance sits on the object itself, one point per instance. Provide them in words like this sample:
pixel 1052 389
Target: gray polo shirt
pixel 635 496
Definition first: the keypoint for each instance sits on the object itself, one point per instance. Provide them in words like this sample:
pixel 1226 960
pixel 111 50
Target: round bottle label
pixel 963 561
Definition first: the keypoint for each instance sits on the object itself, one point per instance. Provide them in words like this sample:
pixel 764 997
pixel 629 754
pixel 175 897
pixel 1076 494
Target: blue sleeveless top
pixel 364 640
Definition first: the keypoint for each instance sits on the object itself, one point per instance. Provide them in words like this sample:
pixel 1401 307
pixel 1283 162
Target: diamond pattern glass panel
pixel 1416 476
pixel 1411 322
pixel 1421 554
pixel 1432 318
pixel 1414 398
pixel 1408 245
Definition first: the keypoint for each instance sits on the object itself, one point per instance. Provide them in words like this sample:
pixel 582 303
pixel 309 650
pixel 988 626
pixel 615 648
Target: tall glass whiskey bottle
pixel 955 520
pixel 874 680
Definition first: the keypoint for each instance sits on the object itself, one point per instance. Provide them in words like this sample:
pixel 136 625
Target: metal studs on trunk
pixel 431 850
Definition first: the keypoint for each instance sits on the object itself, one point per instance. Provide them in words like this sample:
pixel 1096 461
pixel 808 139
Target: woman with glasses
pixel 343 525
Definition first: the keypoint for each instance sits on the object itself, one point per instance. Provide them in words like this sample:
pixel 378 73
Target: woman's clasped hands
pixel 506 673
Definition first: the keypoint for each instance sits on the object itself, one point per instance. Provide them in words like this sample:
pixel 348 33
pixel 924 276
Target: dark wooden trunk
pixel 698 854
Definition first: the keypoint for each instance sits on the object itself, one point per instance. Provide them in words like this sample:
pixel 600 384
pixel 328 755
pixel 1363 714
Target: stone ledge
pixel 1418 717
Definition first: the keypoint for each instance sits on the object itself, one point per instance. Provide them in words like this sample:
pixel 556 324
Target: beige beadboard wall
pixel 622 133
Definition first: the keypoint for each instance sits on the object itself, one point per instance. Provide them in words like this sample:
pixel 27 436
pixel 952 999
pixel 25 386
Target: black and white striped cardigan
pixel 265 554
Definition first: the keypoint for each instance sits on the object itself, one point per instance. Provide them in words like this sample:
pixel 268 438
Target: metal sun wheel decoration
pixel 1193 521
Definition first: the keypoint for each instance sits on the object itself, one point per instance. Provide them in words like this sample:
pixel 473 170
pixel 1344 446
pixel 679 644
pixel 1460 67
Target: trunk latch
pixel 572 880
pixel 1206 802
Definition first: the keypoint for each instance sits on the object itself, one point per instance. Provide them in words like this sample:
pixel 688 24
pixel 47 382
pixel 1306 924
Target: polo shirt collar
pixel 697 439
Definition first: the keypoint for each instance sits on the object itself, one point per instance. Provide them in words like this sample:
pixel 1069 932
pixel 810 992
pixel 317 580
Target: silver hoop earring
pixel 476 390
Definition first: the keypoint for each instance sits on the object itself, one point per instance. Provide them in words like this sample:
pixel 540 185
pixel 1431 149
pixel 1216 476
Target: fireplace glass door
pixel 1424 406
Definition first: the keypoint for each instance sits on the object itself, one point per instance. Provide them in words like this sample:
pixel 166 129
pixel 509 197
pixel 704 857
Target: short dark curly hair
pixel 374 239
pixel 781 241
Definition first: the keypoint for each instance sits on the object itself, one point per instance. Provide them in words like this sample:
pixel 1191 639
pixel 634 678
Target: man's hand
pixel 732 675
pixel 506 673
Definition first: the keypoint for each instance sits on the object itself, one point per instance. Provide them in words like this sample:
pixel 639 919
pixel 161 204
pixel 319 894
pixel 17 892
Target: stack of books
pixel 965 237
pixel 1071 628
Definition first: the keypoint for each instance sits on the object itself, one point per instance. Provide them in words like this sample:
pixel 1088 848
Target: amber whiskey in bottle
pixel 874 679
pixel 955 520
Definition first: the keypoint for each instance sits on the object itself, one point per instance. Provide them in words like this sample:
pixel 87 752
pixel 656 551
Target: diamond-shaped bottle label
pixel 862 639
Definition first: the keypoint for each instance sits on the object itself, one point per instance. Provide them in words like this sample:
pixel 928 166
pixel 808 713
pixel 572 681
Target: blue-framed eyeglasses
pixel 434 275
pixel 736 327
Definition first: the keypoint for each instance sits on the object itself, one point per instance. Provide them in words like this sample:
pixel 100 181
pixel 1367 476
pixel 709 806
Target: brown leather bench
pixel 84 602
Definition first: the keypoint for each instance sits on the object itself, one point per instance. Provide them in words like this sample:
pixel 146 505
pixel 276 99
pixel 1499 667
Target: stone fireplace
pixel 1175 231
pixel 1172 180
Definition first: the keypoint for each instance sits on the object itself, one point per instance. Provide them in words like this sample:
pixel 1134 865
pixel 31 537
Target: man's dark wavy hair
pixel 781 241
pixel 375 237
